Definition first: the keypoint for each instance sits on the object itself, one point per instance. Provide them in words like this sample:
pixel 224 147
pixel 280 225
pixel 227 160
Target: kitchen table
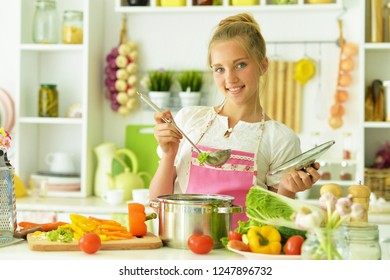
pixel 21 251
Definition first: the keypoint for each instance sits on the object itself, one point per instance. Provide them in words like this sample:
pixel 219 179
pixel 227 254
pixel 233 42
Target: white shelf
pixel 51 47
pixel 121 6
pixel 377 124
pixel 377 46
pixel 39 120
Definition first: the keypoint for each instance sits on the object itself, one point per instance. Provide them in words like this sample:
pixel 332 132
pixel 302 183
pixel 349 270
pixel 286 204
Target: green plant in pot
pixel 160 82
pixel 191 82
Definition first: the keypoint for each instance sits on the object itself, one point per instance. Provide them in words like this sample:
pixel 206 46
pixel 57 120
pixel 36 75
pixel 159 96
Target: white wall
pixel 178 41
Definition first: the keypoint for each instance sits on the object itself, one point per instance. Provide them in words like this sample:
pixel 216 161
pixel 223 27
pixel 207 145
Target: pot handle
pixel 234 209
pixel 154 204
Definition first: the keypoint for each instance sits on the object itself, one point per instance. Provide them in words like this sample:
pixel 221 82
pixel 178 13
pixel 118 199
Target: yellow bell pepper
pixel 264 240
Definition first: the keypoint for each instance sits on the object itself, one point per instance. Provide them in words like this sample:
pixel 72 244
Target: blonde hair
pixel 243 29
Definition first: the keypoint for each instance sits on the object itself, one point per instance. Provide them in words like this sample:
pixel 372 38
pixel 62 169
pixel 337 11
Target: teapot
pixel 130 178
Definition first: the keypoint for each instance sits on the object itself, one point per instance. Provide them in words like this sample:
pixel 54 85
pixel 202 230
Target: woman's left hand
pixel 299 180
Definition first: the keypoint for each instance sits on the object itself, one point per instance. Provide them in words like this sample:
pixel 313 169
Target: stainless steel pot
pixel 181 215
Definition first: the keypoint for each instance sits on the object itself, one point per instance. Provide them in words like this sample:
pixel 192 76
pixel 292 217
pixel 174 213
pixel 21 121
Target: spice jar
pixel 45 22
pixel 363 241
pixel 360 194
pixel 72 27
pixel 48 101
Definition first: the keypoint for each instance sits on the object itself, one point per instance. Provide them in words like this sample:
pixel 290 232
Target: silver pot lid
pixel 198 199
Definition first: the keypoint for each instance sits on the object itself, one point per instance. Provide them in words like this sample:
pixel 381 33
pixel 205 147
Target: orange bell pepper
pixel 137 218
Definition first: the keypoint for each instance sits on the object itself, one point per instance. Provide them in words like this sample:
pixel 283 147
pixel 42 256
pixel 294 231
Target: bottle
pixel 386 18
pixel 72 27
pixel 48 101
pixel 376 21
pixel 7 198
pixel 347 146
pixel 45 22
pixel 363 241
pixel 386 86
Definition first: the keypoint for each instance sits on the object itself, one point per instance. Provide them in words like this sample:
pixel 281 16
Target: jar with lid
pixel 48 101
pixel 72 27
pixel 45 22
pixel 363 241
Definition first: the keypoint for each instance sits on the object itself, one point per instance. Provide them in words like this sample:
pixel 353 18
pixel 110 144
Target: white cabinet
pixel 76 70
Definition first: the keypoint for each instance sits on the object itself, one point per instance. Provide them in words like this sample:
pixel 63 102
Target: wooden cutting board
pixel 149 241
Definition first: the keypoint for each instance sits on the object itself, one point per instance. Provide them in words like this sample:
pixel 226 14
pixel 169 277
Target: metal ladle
pixel 213 158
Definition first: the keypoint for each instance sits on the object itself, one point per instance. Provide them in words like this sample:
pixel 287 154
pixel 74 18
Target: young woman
pixel 237 57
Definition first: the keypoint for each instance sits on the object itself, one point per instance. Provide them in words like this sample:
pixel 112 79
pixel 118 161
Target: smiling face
pixel 235 73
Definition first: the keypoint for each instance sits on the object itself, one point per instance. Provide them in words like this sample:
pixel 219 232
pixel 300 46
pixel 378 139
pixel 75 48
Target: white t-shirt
pixel 277 145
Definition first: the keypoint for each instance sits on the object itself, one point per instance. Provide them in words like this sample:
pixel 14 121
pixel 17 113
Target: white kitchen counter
pixel 98 207
pixel 20 251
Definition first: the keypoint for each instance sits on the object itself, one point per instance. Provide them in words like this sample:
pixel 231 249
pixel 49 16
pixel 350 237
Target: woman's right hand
pixel 166 135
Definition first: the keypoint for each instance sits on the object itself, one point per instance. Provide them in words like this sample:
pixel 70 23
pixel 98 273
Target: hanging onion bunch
pixel 122 75
pixel 346 65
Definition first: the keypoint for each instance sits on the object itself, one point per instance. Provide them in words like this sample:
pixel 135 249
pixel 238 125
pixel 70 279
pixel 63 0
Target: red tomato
pixel 90 243
pixel 293 245
pixel 232 235
pixel 200 243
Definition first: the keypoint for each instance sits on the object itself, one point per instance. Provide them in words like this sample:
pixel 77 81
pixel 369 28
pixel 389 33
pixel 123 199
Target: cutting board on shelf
pixel 149 241
pixel 140 139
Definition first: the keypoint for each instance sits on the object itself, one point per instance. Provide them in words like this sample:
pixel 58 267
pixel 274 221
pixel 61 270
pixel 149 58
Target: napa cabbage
pixel 264 207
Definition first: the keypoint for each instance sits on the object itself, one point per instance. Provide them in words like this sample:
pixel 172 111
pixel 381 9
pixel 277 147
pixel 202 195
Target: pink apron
pixel 233 178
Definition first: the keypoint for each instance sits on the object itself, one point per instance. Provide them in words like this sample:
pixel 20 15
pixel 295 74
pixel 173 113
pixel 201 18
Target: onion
pixel 121 61
pixel 122 74
pixel 337 110
pixel 341 96
pixel 115 52
pixel 124 49
pixel 345 79
pixel 123 110
pixel 122 98
pixel 347 64
pixel 115 105
pixel 350 49
pixel 335 122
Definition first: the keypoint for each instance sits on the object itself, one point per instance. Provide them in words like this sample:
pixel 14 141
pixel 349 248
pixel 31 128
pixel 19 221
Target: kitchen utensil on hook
pixel 213 158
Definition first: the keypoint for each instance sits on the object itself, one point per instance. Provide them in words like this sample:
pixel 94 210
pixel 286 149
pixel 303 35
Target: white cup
pixel 141 196
pixel 60 163
pixel 113 197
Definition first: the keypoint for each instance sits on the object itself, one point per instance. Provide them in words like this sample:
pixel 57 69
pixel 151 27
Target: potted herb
pixel 159 84
pixel 191 82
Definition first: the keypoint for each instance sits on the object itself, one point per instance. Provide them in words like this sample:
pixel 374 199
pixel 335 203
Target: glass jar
pixel 137 2
pixel 363 241
pixel 45 22
pixel 72 27
pixel 347 146
pixel 48 101
pixel 325 244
